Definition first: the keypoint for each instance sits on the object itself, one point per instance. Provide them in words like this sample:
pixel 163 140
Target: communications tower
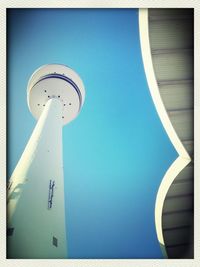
pixel 36 225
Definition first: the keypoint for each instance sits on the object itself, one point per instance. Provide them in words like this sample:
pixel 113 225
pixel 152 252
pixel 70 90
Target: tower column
pixel 36 214
pixel 36 227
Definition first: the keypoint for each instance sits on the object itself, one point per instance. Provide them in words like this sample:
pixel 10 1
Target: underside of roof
pixel 171 40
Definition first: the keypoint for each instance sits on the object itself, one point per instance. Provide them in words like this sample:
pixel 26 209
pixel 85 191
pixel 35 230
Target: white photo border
pixel 4 5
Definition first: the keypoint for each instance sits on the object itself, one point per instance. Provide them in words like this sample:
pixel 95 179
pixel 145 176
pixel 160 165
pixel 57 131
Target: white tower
pixel 36 213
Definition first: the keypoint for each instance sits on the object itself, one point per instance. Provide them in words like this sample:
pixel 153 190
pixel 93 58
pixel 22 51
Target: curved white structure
pixel 183 158
pixel 36 213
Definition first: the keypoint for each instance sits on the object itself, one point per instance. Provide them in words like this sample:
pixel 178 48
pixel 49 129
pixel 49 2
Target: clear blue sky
pixel 116 152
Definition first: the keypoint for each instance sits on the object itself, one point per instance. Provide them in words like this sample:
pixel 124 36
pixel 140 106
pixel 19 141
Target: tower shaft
pixel 36 214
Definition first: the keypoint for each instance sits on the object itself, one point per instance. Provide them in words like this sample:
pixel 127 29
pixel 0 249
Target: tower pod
pixel 58 82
